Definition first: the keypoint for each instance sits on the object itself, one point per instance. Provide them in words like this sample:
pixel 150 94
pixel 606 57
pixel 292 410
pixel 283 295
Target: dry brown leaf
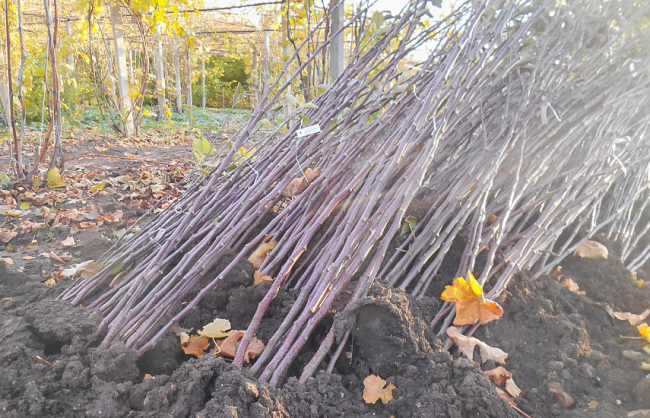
pixel 6 235
pixel 505 396
pixel 591 250
pixel 633 319
pixel 229 346
pixel 556 272
pixel 374 390
pixel 559 395
pixel 195 345
pixel 466 346
pixel 184 337
pixel 499 375
pixel 512 389
pixel 68 242
pixel 13 213
pixel 33 244
pixel 28 226
pixel 258 256
pixel 55 259
pixel 259 278
pixel 298 184
pixel 9 261
pixel 572 286
pixel 471 304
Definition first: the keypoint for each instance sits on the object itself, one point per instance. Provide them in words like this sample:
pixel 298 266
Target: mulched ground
pixel 553 335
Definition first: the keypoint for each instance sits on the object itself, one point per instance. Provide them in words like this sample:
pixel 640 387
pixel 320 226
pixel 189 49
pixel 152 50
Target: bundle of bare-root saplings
pixel 528 120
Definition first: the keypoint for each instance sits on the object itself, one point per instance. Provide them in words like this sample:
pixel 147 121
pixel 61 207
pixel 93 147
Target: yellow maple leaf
pixel 373 389
pixel 258 256
pixel 644 330
pixel 53 178
pixel 219 328
pixel 471 304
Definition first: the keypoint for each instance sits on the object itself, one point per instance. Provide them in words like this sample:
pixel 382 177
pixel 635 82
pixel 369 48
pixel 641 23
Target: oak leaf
pixel 590 250
pixel 373 390
pixel 229 346
pixel 466 346
pixel 258 256
pixel 219 328
pixel 471 304
pixel 195 345
pixel 298 184
pixel 259 278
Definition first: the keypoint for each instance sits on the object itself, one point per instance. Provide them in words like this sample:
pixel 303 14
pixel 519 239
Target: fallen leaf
pixel 195 345
pixel 499 375
pixel 559 395
pixel 298 184
pixel 13 213
pixel 6 235
pixel 512 388
pixel 258 256
pixel 184 337
pixel 408 224
pixel 229 346
pixel 86 270
pixel 50 282
pixel 373 390
pixel 471 304
pixel 572 286
pixel 55 259
pixel 68 242
pixel 53 179
pixel 9 261
pixel 639 413
pixel 592 404
pixel 505 396
pixel 33 244
pixel 219 328
pixel 591 250
pixel 259 278
pixel 466 346
pixel 556 272
pixel 633 319
pixel 28 257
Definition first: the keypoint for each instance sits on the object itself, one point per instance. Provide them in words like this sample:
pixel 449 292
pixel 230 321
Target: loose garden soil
pixel 552 334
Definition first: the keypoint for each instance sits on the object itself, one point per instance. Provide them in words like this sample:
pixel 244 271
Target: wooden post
pixel 122 71
pixel 160 75
pixel 203 82
pixel 177 76
pixel 337 51
pixel 189 78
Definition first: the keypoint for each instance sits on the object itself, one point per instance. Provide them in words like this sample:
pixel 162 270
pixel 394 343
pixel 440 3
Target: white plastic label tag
pixel 313 129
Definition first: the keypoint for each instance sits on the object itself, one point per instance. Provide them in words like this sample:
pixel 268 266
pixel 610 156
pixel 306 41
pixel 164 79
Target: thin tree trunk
pixel 189 79
pixel 160 75
pixel 267 72
pixel 286 53
pixel 203 82
pixel 16 160
pixel 4 95
pixel 70 57
pixel 337 51
pixel 256 80
pixel 126 108
pixel 177 76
